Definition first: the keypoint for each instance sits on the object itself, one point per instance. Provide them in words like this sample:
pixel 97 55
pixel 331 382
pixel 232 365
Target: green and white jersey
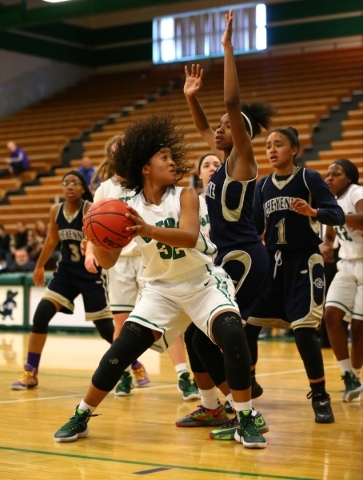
pixel 163 262
pixel 351 241
pixel 203 214
pixel 112 189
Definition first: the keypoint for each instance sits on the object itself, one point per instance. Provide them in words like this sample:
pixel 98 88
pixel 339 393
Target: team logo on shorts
pixel 113 361
pixel 319 283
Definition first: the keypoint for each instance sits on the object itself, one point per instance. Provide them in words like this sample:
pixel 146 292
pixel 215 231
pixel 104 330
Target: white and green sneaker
pixel 227 431
pixel 247 433
pixel 125 386
pixel 76 427
pixel 353 387
pixel 188 387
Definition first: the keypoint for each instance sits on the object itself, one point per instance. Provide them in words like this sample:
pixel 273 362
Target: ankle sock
pixel 33 359
pixel 83 407
pixel 181 368
pixel 244 407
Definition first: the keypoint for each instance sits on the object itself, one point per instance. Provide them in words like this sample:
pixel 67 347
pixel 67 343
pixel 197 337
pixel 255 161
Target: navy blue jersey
pixel 71 236
pixel 285 229
pixel 230 209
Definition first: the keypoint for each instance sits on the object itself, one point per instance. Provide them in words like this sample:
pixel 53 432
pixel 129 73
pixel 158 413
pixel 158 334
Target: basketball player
pixel 288 206
pixel 70 278
pixel 345 296
pixel 207 165
pixel 229 197
pixel 125 280
pixel 182 283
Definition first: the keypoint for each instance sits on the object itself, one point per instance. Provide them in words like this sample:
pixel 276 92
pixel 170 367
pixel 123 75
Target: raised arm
pixel 193 85
pixel 242 165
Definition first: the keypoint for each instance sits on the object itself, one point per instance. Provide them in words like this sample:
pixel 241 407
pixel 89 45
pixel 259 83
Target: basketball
pixel 105 224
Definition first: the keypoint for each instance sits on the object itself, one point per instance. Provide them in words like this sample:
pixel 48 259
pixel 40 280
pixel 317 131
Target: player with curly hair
pixel 182 282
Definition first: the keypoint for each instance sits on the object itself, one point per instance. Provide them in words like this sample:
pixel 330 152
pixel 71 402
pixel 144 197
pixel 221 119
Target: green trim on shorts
pixel 156 327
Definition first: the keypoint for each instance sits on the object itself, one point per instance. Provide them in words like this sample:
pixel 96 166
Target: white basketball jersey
pixel 203 214
pixel 351 241
pixel 163 262
pixel 112 189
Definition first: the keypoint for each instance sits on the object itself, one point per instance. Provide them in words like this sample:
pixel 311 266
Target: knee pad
pixel 105 328
pixel 195 362
pixel 44 313
pixel 210 356
pixel 229 335
pixel 310 352
pixel 134 339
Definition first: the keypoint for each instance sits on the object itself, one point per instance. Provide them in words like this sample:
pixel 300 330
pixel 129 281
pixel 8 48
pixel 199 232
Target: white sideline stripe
pixel 150 388
pixel 75 395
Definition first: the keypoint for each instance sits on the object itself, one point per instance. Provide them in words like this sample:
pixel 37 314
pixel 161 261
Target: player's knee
pixel 105 328
pixel 134 340
pixel 229 335
pixel 44 313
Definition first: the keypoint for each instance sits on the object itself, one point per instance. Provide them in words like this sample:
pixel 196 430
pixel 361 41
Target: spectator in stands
pixel 41 230
pixel 20 238
pixel 22 262
pixel 87 169
pixel 18 161
pixel 5 254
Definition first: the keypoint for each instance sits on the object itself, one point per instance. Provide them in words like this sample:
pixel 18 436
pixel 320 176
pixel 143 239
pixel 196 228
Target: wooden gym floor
pixel 136 436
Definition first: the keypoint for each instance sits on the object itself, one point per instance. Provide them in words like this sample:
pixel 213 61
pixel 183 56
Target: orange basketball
pixel 105 223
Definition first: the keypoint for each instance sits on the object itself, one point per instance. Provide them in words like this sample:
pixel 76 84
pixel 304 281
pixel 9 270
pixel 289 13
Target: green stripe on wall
pixel 89 37
pixel 303 32
pixel 286 11
pixel 42 48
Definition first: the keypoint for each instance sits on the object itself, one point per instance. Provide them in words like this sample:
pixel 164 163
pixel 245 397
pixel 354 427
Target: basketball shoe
pixel 28 380
pixel 353 387
pixel 247 433
pixel 188 387
pixel 76 427
pixel 321 406
pixel 203 417
pixel 227 431
pixel 125 386
pixel 140 374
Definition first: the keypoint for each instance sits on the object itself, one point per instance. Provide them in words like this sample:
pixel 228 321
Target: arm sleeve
pixel 258 212
pixel 329 212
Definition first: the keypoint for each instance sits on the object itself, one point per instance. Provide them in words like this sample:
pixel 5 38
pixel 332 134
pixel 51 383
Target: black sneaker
pixel 321 406
pixel 256 389
pixel 76 427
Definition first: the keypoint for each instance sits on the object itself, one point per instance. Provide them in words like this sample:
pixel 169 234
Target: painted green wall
pixel 288 22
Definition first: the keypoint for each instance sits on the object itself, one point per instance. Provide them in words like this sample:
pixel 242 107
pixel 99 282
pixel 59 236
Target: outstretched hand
pixel 227 36
pixel 194 80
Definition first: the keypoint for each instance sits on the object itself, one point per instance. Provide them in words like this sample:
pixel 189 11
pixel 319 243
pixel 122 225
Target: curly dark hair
pixel 259 113
pixel 142 139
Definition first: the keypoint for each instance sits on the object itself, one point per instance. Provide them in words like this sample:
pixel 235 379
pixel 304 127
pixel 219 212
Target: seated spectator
pixel 22 262
pixel 17 162
pixel 87 169
pixel 20 238
pixel 40 230
pixel 5 254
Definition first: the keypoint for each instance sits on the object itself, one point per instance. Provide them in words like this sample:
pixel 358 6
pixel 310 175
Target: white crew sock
pixel 181 368
pixel 84 407
pixel 210 398
pixel 345 365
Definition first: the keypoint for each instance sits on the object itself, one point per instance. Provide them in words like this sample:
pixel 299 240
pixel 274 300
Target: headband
pixel 249 124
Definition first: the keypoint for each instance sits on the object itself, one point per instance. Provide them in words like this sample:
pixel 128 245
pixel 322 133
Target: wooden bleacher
pixel 303 88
